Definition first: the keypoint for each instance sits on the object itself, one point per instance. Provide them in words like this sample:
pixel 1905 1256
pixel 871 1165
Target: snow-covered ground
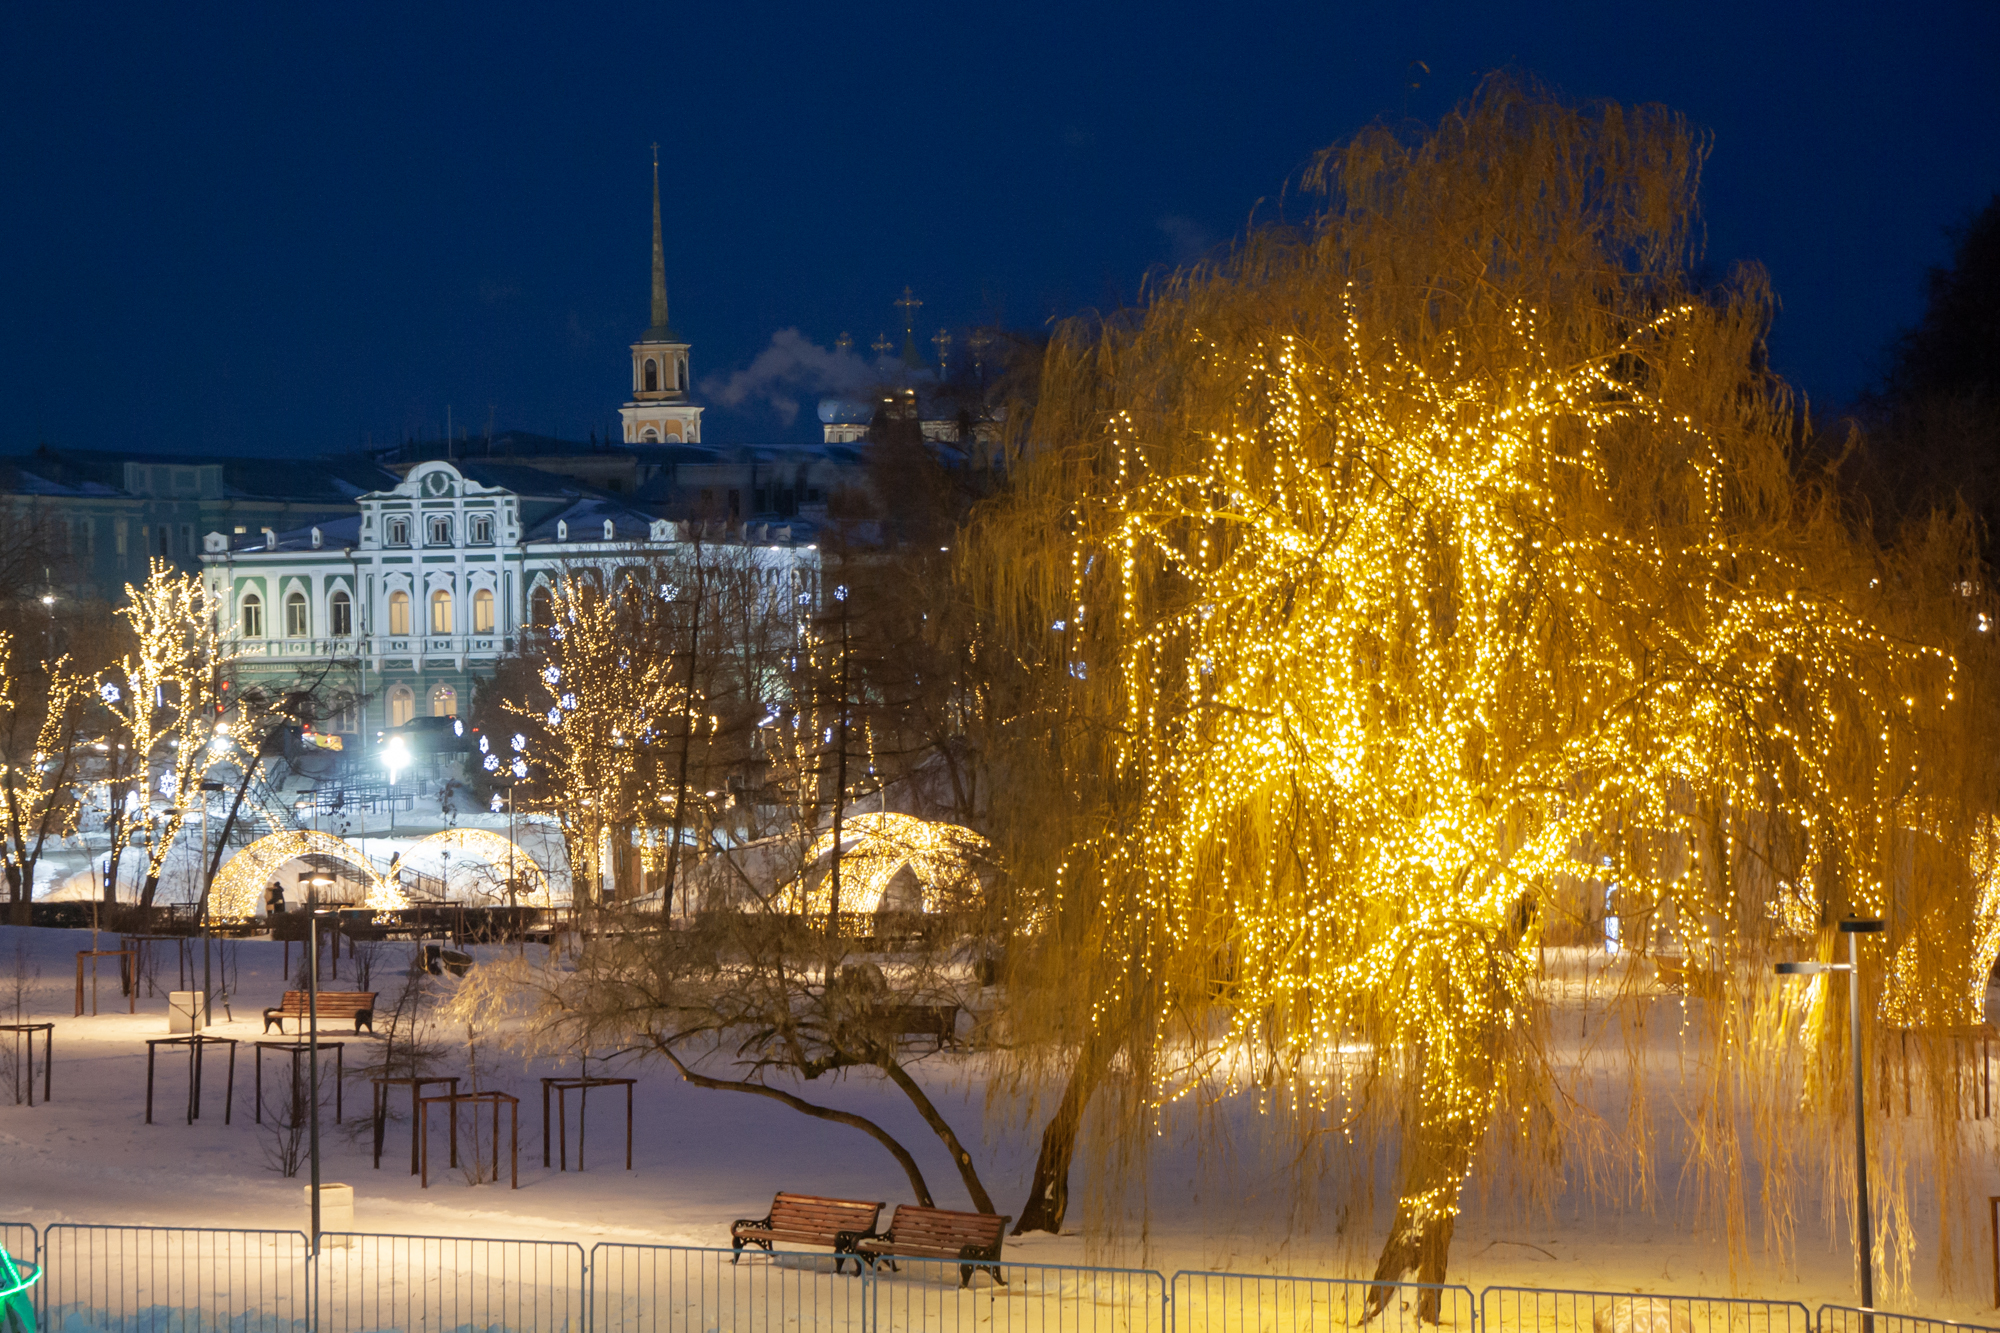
pixel 703 1157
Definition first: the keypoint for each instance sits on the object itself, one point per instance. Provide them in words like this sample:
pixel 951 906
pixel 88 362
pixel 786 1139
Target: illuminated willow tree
pixel 1401 582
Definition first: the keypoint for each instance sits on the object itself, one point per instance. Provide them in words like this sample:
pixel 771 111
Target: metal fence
pixel 905 1295
pixel 1853 1319
pixel 1236 1302
pixel 368 1282
pixel 1541 1310
pixel 204 1280
pixel 683 1289
pixel 180 1278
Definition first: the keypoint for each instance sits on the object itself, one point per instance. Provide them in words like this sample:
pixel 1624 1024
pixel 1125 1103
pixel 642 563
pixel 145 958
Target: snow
pixel 702 1158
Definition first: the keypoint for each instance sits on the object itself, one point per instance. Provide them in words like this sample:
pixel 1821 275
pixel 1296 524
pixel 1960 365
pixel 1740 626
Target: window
pixel 347 715
pixel 402 701
pixel 440 530
pixel 166 540
pixel 440 614
pixel 444 701
pixel 482 528
pixel 399 532
pixel 683 376
pixel 123 535
pixel 187 539
pixel 298 619
pixel 649 435
pixel 541 609
pixel 652 375
pixel 482 612
pixel 399 613
pixel 250 616
pixel 340 620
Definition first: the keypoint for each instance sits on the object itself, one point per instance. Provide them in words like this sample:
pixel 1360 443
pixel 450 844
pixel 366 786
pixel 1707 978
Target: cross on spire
pixel 909 305
pixel 942 341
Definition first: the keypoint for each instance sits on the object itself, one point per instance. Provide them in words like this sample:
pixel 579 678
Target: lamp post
pixel 319 881
pixel 1865 1257
pixel 208 882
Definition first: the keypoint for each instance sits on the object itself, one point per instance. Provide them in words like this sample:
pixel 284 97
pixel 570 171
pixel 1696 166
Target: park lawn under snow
pixel 702 1158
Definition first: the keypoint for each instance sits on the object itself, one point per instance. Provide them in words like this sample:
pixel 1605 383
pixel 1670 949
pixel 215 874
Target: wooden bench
pixel 809 1219
pixel 358 1005
pixel 937 1233
pixel 937 1021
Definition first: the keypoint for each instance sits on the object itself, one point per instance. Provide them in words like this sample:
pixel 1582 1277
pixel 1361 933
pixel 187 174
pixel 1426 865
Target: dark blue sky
pixel 290 228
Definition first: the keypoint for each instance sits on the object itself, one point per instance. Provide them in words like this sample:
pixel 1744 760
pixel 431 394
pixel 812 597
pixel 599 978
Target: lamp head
pixel 1861 926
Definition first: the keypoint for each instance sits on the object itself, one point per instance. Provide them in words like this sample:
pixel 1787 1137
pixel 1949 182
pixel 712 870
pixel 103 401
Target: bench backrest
pixel 331 1002
pixel 917 1230
pixel 814 1214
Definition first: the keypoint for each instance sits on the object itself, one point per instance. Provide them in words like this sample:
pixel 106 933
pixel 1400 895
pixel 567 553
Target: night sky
pixel 296 229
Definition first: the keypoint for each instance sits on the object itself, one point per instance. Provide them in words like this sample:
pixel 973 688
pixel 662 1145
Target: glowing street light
pixel 1865 1244
pixel 395 757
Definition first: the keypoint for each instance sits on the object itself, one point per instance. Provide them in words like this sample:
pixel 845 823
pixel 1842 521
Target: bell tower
pixel 659 410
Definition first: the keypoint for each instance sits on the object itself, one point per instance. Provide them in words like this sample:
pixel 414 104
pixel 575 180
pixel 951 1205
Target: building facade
pixel 399 609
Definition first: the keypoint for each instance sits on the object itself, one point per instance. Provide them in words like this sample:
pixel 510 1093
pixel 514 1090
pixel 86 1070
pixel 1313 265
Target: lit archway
pixel 239 886
pixel 875 852
pixel 496 859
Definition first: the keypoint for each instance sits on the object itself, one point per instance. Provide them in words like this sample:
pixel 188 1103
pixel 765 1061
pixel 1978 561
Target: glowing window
pixel 399 613
pixel 444 701
pixel 402 701
pixel 440 613
pixel 482 612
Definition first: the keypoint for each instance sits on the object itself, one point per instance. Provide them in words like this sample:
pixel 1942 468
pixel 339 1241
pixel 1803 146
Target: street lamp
pixel 320 880
pixel 1865 1258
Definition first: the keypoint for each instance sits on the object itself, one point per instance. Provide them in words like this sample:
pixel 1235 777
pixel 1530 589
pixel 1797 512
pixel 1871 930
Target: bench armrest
pixel 759 1223
pixel 846 1242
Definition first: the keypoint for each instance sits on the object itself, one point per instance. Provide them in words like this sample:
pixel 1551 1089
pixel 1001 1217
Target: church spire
pixel 659 332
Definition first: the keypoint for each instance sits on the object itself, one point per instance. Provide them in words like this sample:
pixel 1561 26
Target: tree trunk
pixel 22 913
pixel 1048 1192
pixel 804 1107
pixel 960 1158
pixel 146 892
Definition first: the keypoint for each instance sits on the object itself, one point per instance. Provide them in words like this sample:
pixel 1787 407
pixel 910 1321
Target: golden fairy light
pixel 605 695
pixel 1436 573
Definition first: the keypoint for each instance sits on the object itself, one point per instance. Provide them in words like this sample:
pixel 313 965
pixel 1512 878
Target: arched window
pixel 482 611
pixel 652 375
pixel 340 617
pixel 650 436
pixel 541 608
pixel 440 529
pixel 399 613
pixel 298 619
pixel 444 701
pixel 398 530
pixel 683 375
pixel 250 616
pixel 402 702
pixel 440 613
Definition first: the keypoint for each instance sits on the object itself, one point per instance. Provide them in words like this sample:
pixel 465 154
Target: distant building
pixel 398 610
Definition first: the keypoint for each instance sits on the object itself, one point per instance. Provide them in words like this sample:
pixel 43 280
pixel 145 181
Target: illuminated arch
pixel 489 849
pixel 239 886
pixel 877 848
